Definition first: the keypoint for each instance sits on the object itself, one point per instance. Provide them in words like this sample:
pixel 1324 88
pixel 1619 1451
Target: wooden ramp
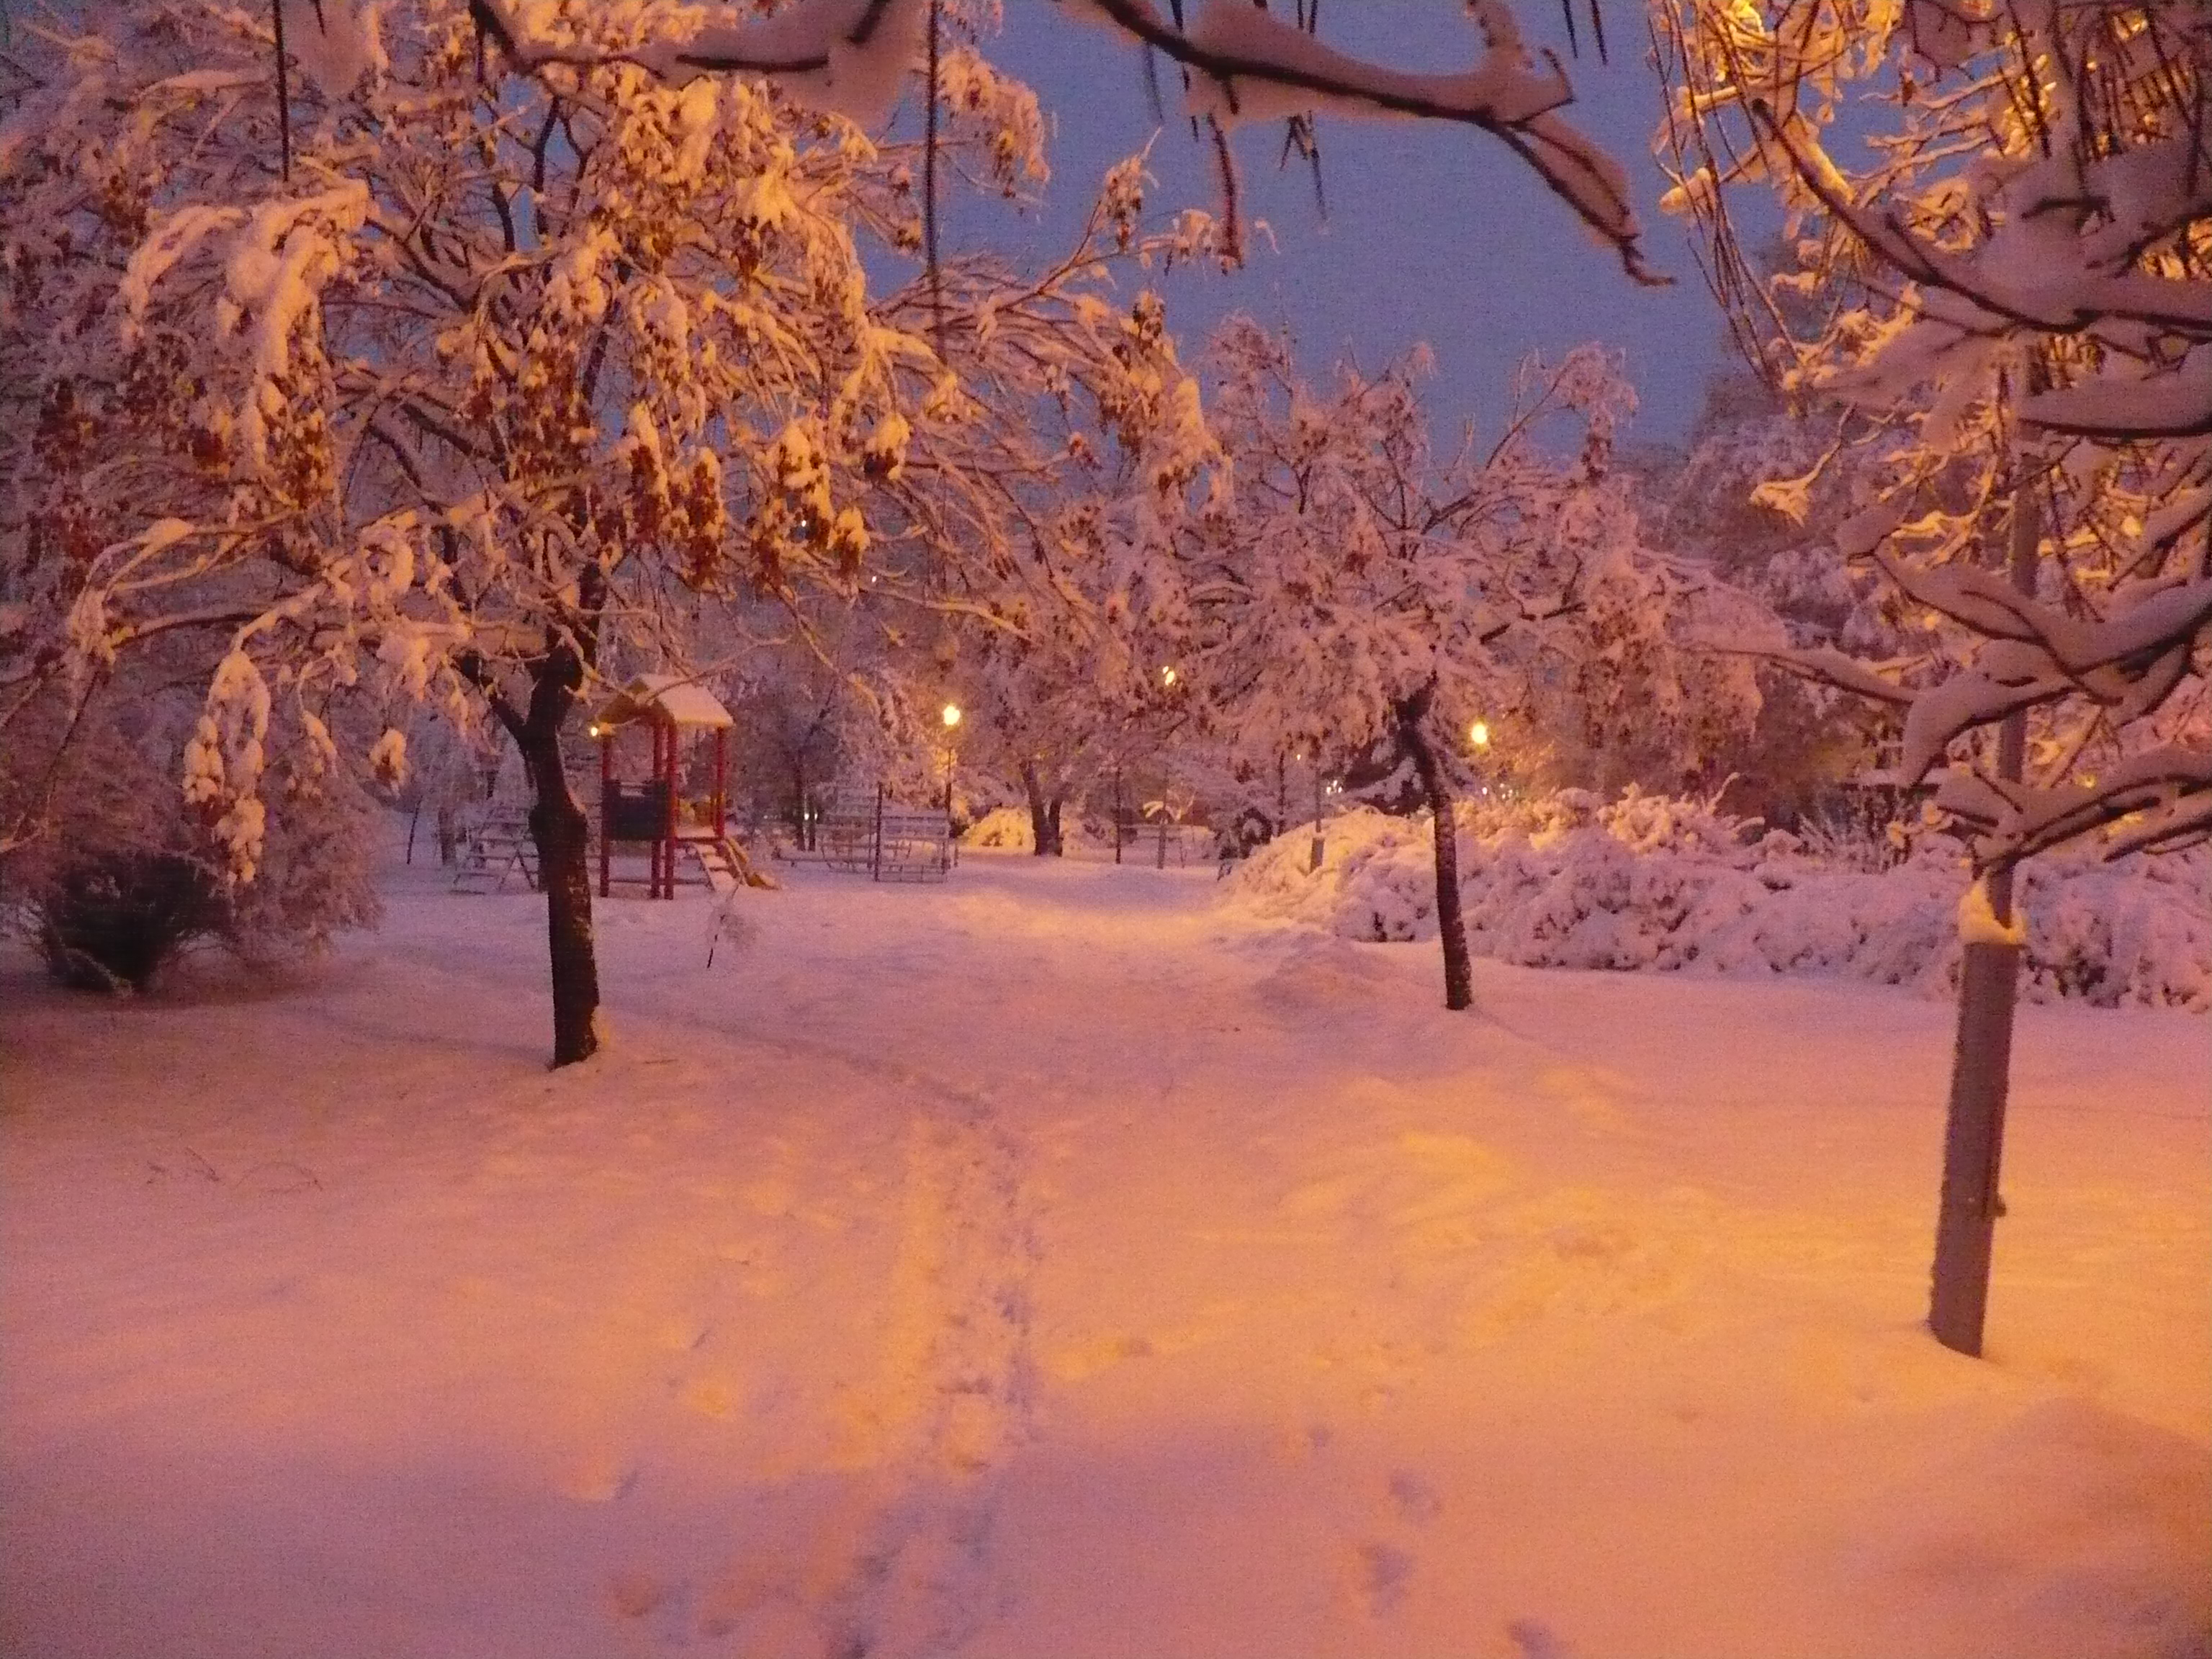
pixel 725 866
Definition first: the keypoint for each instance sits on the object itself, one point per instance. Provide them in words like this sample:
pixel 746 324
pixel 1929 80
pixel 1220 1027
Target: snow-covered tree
pixel 1034 717
pixel 451 769
pixel 1624 688
pixel 1701 502
pixel 470 384
pixel 794 723
pixel 1340 583
pixel 1057 697
pixel 2009 280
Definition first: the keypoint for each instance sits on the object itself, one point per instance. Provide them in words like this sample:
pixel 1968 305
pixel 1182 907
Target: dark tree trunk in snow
pixel 1044 814
pixel 560 828
pixel 1451 922
pixel 563 832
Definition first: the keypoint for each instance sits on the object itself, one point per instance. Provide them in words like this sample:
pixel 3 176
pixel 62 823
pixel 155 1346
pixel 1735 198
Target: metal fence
pixel 880 839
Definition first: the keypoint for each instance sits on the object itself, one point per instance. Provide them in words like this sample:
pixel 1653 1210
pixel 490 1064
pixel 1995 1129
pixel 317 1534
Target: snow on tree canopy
pixel 545 376
pixel 2012 303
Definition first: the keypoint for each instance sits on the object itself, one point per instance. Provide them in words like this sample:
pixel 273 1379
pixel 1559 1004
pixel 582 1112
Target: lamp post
pixel 1314 854
pixel 951 718
pixel 1117 812
pixel 1478 734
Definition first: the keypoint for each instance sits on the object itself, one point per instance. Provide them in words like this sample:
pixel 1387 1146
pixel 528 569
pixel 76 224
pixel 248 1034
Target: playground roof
pixel 667 699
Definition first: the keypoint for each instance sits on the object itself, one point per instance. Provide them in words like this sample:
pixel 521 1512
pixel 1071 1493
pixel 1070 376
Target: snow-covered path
pixel 1049 1264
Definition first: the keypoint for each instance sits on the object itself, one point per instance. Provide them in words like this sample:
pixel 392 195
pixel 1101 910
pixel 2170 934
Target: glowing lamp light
pixel 597 731
pixel 1167 677
pixel 1478 734
pixel 952 715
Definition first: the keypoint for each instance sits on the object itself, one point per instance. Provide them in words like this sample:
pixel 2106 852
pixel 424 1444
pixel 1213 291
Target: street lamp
pixel 1314 853
pixel 1478 734
pixel 951 718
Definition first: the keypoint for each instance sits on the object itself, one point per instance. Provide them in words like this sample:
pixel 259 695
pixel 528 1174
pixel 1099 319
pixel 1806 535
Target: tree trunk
pixel 1451 922
pixel 563 832
pixel 1973 1137
pixel 1044 815
pixel 558 825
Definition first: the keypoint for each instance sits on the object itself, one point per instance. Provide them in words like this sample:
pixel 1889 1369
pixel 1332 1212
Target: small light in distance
pixel 1478 734
pixel 952 715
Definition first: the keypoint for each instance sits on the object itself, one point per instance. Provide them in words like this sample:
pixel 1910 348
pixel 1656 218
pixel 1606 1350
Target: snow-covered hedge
pixel 1651 883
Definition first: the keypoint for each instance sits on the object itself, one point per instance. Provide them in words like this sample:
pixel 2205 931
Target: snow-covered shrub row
pixel 1652 883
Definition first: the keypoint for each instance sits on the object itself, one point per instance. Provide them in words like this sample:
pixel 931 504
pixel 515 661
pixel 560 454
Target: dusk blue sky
pixel 1433 233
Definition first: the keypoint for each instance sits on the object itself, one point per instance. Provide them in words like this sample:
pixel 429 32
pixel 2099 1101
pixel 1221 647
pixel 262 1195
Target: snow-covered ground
pixel 1052 1264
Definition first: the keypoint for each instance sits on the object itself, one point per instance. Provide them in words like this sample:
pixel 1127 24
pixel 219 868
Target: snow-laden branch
pixel 850 58
pixel 2063 263
pixel 2160 800
pixel 2007 287
pixel 853 57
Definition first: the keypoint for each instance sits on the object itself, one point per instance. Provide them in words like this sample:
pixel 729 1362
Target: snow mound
pixel 1648 882
pixel 1332 974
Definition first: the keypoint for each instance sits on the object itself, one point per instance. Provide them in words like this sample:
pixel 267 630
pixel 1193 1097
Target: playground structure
pixel 656 813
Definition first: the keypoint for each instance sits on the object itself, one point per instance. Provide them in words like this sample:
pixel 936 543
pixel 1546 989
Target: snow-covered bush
pixel 112 921
pixel 1001 830
pixel 1648 882
pixel 1009 829
pixel 125 871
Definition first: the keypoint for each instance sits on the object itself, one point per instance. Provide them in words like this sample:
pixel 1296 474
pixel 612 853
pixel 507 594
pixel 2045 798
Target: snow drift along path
pixel 1049 1264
